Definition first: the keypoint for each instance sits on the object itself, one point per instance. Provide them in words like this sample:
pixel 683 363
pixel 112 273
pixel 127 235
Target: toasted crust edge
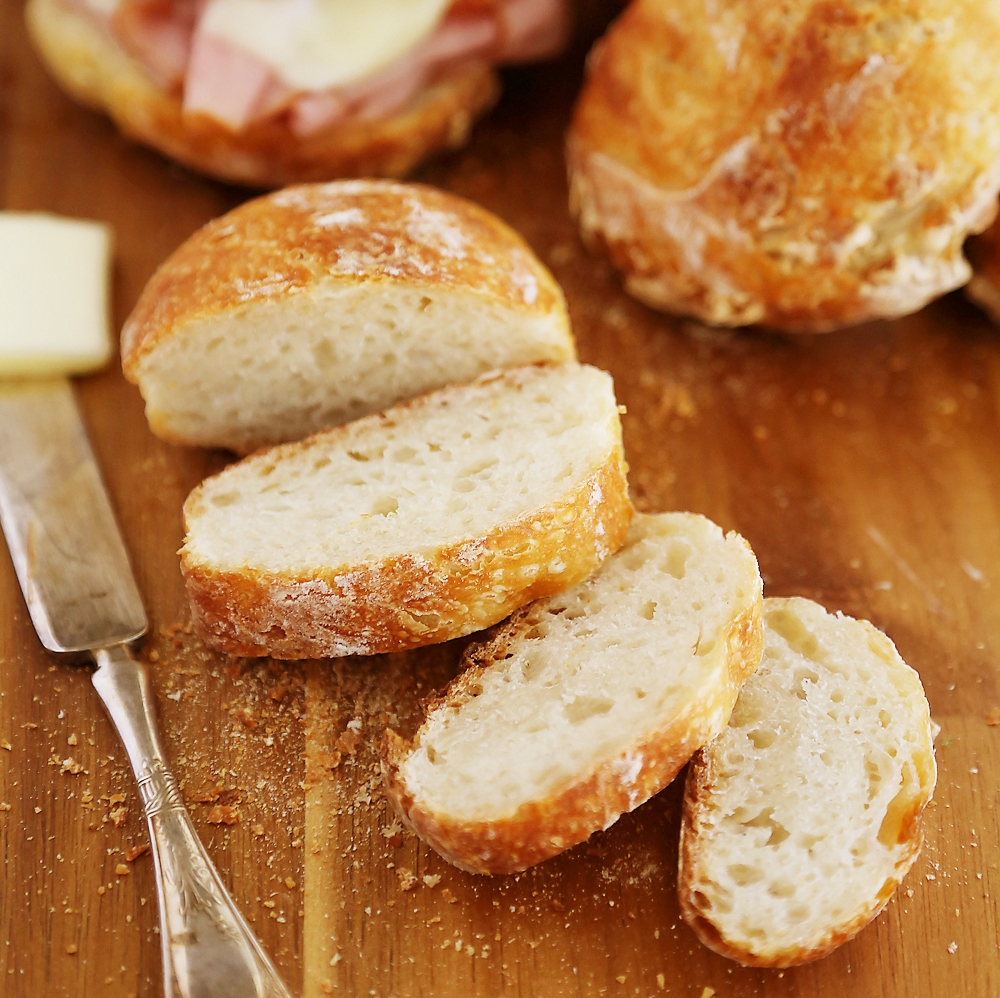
pixel 697 787
pixel 94 70
pixel 406 602
pixel 539 830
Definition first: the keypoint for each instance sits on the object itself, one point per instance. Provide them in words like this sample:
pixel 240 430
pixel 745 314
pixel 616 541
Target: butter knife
pixel 76 579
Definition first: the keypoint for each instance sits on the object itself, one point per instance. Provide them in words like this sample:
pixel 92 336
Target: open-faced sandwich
pixel 265 92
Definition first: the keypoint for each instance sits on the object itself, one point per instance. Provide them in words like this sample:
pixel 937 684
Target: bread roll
pixel 585 704
pixel 94 69
pixel 802 165
pixel 429 521
pixel 803 816
pixel 322 303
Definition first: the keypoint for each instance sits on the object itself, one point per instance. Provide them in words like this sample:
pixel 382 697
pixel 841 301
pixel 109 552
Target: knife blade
pixel 74 572
pixel 63 538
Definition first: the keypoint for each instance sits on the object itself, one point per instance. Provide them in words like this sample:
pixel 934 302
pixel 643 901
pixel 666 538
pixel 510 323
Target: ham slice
pixel 224 82
pixel 532 29
pixel 158 34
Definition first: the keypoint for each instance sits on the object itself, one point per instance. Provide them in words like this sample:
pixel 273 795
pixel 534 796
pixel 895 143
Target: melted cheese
pixel 318 44
pixel 54 276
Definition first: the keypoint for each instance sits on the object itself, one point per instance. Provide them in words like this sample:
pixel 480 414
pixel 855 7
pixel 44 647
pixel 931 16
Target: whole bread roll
pixel 803 165
pixel 321 303
pixel 94 69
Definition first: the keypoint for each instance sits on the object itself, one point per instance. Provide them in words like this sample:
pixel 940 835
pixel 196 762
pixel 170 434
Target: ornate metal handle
pixel 208 949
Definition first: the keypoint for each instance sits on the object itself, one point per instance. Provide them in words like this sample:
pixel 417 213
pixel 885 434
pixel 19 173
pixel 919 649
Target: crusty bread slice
pixel 585 704
pixel 326 302
pixel 95 70
pixel 801 819
pixel 434 519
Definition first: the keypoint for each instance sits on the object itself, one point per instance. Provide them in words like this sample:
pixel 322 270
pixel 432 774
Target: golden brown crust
pixel 804 166
pixel 93 69
pixel 540 830
pixel 697 788
pixel 406 602
pixel 351 231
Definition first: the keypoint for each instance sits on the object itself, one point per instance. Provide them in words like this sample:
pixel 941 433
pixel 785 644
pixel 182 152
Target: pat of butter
pixel 54 277
pixel 317 44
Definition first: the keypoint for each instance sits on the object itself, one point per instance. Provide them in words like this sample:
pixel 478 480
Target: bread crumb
pixel 4 806
pixel 72 740
pixel 289 883
pixel 446 895
pixel 132 853
pixel 348 741
pixel 620 978
pixel 707 992
pixel 122 870
pixel 952 947
pixel 432 879
pixel 72 949
pixel 661 981
pixel 100 890
pixel 258 830
pixel 992 719
pixel 390 831
pixel 207 796
pixel 407 878
pixel 118 816
pixel 6 745
pixel 223 814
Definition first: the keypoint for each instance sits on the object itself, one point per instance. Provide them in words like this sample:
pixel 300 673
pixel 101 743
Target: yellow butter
pixel 318 44
pixel 54 290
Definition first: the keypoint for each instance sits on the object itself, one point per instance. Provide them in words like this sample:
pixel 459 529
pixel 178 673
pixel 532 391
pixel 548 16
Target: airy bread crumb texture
pixel 587 702
pixel 803 816
pixel 428 521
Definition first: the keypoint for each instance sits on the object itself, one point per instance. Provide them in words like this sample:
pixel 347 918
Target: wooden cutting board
pixel 863 467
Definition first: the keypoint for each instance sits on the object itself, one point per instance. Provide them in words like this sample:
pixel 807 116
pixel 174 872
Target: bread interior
pixel 447 469
pixel 817 783
pixel 280 369
pixel 619 660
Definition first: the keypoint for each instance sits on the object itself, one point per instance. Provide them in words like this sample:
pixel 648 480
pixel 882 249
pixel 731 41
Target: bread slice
pixel 326 302
pixel 802 818
pixel 94 69
pixel 584 704
pixel 423 523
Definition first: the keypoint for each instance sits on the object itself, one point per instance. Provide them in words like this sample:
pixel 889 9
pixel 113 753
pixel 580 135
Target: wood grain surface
pixel 863 467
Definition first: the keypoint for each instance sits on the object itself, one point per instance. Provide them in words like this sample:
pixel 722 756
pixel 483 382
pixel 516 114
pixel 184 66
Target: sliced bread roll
pixel 802 818
pixel 585 704
pixel 326 302
pixel 434 519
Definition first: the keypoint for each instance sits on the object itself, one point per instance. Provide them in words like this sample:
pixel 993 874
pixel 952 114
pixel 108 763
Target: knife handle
pixel 208 949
